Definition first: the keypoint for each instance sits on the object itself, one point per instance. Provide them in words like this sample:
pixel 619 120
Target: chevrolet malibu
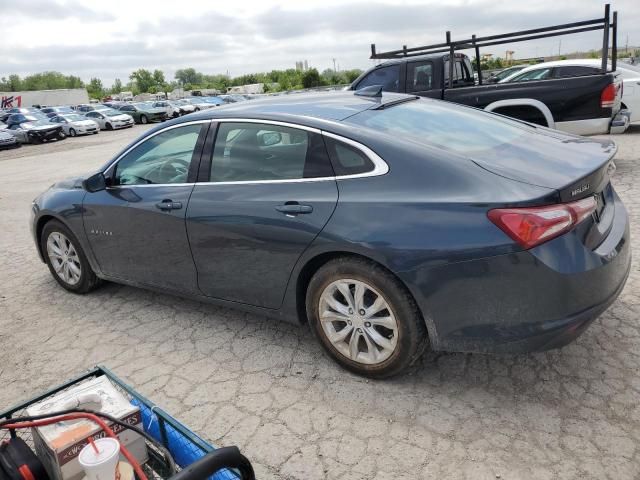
pixel 388 223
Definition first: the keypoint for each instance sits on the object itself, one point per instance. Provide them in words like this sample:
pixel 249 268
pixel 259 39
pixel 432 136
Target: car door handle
pixel 294 208
pixel 168 205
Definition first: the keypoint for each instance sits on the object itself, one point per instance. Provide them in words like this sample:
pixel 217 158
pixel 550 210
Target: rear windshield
pixel 444 125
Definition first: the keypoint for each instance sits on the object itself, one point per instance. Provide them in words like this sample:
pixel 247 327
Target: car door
pixel 136 226
pixel 269 190
pixel 98 118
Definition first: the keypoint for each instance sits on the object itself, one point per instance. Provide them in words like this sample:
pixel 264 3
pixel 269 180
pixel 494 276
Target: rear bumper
pixel 621 122
pixel 526 301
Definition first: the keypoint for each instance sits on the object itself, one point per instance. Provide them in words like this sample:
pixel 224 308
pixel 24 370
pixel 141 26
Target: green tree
pixel 143 79
pixel 188 75
pixel 95 88
pixel 117 86
pixel 311 78
pixel 158 77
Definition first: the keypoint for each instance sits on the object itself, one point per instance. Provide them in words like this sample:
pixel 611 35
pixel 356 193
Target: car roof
pixel 332 106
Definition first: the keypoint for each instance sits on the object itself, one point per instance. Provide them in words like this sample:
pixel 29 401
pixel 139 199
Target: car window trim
pixel 380 167
pixel 110 168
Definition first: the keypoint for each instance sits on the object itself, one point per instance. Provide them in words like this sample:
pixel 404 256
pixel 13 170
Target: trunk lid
pixel 574 166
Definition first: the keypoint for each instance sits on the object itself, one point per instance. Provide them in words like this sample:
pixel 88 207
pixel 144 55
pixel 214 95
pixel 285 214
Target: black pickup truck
pixel 584 105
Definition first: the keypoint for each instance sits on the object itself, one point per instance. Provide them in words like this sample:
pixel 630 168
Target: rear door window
pixel 247 152
pixel 388 77
pixel 419 76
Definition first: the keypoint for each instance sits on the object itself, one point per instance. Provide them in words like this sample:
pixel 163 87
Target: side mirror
pixel 95 183
pixel 267 139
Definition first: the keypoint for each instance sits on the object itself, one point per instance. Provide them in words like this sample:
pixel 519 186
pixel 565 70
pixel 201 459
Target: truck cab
pixel 584 105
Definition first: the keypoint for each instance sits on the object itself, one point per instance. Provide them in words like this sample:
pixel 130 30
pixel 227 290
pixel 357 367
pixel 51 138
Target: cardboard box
pixel 58 445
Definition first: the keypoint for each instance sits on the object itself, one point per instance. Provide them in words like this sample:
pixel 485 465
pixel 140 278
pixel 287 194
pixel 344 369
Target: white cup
pixel 102 465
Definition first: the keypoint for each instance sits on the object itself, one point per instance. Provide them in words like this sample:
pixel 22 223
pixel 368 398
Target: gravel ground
pixel 266 386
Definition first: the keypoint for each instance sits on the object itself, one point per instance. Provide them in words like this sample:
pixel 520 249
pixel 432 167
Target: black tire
pixel 108 126
pixel 34 140
pixel 72 132
pixel 143 119
pixel 61 135
pixel 411 329
pixel 88 280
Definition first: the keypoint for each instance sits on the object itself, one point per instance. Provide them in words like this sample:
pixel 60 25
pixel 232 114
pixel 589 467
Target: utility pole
pixel 559 47
pixel 334 64
pixel 626 46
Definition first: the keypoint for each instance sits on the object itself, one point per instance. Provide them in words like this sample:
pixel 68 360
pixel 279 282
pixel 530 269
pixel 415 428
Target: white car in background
pixel 110 119
pixel 75 124
pixel 587 66
pixel 174 108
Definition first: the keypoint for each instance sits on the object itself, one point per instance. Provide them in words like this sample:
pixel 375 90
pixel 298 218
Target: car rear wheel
pixel 66 260
pixel 144 119
pixel 72 132
pixel 365 318
pixel 61 135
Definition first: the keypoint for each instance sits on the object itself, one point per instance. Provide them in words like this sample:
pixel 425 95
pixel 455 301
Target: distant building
pixel 302 65
pixel 62 96
pixel 253 88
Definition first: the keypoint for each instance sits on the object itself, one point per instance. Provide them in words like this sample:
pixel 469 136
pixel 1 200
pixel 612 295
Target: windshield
pixel 112 113
pixel 444 125
pixel 509 71
pixel 74 117
pixel 35 122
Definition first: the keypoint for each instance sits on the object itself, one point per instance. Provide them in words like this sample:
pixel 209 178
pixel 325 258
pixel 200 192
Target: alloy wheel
pixel 358 321
pixel 64 258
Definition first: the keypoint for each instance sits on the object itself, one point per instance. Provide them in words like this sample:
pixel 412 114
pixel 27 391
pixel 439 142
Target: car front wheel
pixel 144 119
pixel 66 260
pixel 365 318
pixel 72 132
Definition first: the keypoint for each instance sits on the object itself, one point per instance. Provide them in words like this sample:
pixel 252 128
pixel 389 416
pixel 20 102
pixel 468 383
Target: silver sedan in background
pixel 75 124
pixel 110 119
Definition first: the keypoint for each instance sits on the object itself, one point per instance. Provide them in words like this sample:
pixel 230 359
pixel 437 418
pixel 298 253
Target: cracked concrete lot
pixel 267 387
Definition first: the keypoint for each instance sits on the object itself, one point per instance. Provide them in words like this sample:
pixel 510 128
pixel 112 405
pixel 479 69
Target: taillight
pixel 608 95
pixel 531 226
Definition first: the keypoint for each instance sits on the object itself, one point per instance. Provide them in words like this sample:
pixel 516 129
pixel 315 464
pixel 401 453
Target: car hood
pixel 70 183
pixel 552 159
pixel 42 128
pixel 84 123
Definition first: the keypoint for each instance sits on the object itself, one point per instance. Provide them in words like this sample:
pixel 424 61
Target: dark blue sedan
pixel 390 224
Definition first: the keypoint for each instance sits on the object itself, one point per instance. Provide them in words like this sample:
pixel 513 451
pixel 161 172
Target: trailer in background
pixel 50 98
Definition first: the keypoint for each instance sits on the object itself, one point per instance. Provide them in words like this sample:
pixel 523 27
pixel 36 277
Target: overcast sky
pixel 110 39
